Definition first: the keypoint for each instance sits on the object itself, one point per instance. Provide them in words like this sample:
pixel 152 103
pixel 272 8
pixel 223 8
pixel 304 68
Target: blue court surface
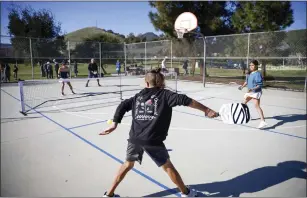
pixel 55 151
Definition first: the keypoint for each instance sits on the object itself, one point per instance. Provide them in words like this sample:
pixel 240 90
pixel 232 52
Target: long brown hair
pixel 155 78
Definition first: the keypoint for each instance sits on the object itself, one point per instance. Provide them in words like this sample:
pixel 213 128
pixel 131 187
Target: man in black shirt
pixel 92 72
pixel 152 113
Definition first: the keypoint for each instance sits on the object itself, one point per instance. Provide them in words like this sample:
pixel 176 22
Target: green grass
pixel 25 71
pixel 285 79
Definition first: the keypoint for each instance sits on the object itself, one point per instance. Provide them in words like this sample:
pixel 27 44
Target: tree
pixel 41 25
pixel 263 16
pixel 131 38
pixel 213 17
pixel 259 16
pixel 296 41
pixel 111 47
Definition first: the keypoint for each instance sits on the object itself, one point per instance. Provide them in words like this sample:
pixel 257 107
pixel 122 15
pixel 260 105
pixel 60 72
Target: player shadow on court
pixel 284 119
pixel 251 182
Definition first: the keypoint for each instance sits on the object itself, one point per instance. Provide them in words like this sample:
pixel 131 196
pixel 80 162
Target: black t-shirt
pixel 56 66
pixel 92 67
pixel 151 114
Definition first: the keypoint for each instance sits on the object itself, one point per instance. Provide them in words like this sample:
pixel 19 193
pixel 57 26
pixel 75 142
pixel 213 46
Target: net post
pixel 22 103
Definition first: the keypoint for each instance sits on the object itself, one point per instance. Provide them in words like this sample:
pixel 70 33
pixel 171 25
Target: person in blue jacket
pixel 254 82
pixel 118 67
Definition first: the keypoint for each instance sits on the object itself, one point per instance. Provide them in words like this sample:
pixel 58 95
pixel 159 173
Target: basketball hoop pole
pixel 185 23
pixel 204 65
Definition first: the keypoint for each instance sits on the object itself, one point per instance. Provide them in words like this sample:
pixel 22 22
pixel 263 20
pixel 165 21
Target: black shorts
pixel 92 75
pixel 158 154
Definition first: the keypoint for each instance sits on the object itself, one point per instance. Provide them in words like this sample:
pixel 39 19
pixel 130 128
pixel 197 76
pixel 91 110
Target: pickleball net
pixel 36 95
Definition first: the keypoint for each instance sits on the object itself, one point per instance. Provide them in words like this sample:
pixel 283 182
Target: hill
pixel 83 33
pixel 150 36
pixel 80 35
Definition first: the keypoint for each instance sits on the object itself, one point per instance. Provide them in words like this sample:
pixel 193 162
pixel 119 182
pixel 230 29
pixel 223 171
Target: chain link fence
pixel 282 56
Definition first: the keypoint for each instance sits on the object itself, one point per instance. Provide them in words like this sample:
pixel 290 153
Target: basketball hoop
pixel 184 23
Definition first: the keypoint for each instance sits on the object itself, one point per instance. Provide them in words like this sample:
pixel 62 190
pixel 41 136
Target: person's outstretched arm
pixel 175 99
pixel 124 107
pixel 208 112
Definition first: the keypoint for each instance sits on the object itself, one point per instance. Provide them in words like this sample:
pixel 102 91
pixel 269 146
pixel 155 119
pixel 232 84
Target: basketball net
pixel 181 32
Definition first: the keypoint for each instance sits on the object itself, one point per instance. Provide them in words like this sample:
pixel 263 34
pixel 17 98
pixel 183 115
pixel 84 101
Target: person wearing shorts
pixel 64 74
pixel 151 117
pixel 92 72
pixel 163 65
pixel 254 82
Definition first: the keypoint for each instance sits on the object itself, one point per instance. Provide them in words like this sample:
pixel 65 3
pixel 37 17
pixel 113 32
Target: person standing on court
pixel 92 72
pixel 76 68
pixel 49 70
pixel 64 77
pixel 185 67
pixel 41 65
pixel 163 66
pixel 2 71
pixel 118 67
pixel 7 72
pixel 151 118
pixel 15 71
pixel 46 69
pixel 254 82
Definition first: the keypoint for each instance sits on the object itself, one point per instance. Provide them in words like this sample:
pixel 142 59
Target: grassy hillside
pixel 81 34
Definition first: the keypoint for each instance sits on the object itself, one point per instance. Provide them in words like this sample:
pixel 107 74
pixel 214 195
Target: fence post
pixel 305 84
pixel 204 66
pixel 171 53
pixel 145 57
pixel 247 55
pixel 31 58
pixel 125 54
pixel 100 61
pixel 69 59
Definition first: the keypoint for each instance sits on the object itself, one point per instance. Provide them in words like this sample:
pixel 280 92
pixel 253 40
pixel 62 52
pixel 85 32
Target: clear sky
pixel 120 17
